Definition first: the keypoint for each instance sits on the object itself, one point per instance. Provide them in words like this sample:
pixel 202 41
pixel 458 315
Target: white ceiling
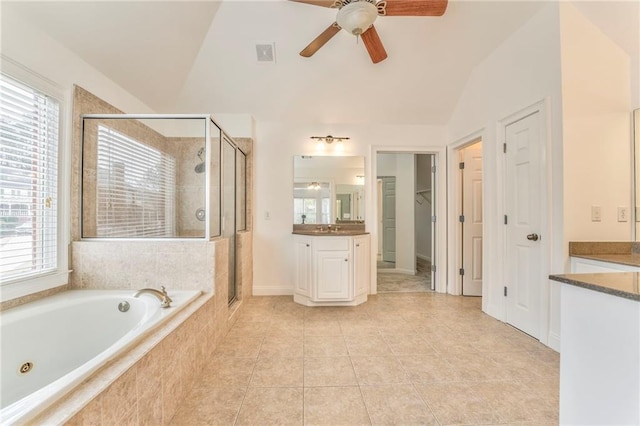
pixel 184 56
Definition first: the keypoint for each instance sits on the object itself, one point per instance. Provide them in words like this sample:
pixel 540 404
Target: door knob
pixel 533 237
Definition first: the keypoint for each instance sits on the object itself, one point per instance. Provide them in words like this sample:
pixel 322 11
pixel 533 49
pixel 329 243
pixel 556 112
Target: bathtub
pixel 51 345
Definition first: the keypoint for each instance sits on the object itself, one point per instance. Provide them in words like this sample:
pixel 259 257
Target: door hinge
pixel 505 219
pixel 433 169
pixel 504 147
pixel 433 219
pixel 461 271
pixel 505 291
pixel 461 165
pixel 461 218
pixel 433 268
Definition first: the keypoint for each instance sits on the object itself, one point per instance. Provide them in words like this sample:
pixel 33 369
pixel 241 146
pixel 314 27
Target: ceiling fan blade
pixel 374 45
pixel 320 41
pixel 416 7
pixel 322 3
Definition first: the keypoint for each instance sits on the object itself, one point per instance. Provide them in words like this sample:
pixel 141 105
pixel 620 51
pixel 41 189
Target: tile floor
pixel 402 283
pixel 404 358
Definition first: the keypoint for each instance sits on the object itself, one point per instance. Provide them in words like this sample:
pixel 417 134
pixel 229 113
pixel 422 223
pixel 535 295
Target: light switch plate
pixel 596 214
pixel 623 214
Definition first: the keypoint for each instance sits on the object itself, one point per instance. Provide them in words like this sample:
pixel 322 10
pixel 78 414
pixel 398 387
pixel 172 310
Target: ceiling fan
pixel 357 17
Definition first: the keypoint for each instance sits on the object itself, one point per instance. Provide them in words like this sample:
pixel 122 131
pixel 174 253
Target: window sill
pixel 25 287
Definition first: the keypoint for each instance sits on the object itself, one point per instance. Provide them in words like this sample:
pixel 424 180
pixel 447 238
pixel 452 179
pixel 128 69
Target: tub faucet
pixel 165 300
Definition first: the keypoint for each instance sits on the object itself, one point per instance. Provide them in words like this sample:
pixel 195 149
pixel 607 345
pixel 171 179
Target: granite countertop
pixel 620 252
pixel 621 284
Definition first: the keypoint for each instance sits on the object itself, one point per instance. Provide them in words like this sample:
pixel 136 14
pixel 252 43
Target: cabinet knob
pixel 307 245
pixel 346 260
pixel 357 245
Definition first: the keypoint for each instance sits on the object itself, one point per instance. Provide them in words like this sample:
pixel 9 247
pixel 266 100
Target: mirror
pixel 636 181
pixel 328 189
pixel 147 177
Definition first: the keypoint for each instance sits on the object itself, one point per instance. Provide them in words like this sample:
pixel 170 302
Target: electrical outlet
pixel 596 213
pixel 623 214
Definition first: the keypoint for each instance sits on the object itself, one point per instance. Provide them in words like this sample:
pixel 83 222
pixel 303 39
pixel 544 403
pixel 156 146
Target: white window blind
pixel 135 188
pixel 29 132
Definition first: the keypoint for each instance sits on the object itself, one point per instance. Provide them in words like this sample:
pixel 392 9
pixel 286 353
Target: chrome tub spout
pixel 163 297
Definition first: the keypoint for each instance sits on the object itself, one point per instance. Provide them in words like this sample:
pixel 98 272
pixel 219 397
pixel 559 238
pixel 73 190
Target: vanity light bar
pixel 330 139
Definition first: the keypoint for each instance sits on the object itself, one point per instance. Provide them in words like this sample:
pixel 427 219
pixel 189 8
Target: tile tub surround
pixel 412 358
pixel 149 383
pixel 621 252
pixel 620 284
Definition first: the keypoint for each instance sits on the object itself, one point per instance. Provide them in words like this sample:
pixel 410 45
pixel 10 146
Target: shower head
pixel 200 166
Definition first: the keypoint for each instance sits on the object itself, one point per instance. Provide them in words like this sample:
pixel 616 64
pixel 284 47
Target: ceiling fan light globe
pixel 357 17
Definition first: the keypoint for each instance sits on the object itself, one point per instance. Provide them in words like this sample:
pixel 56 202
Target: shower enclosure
pixel 162 177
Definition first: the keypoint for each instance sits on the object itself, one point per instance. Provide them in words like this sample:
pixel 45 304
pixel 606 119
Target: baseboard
pixel 272 291
pixel 423 257
pixel 554 342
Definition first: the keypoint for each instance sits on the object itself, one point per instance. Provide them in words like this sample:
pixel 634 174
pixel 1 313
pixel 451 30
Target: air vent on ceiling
pixel 266 52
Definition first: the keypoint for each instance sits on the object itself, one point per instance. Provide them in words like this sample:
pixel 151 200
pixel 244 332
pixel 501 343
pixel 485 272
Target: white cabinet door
pixel 303 264
pixel 361 255
pixel 332 275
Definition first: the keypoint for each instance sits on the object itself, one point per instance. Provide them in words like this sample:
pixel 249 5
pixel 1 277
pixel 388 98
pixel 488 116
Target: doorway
pixel 405 226
pixel 470 218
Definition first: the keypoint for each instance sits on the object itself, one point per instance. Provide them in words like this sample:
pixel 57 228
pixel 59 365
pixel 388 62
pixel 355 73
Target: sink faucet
pixel 165 300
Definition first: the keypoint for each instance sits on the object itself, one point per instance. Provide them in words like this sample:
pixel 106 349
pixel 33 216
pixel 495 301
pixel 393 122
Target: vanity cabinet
pixel 589 266
pixel 331 270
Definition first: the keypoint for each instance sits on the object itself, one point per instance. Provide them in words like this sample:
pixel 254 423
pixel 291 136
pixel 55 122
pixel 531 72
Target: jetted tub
pixel 51 345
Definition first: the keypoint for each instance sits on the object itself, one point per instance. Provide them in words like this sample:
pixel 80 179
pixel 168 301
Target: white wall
pixel 523 70
pixel 276 144
pixel 32 48
pixel 596 98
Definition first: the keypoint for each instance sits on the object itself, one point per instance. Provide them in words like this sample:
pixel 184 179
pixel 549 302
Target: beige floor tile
pixel 226 372
pixel 378 370
pixel 247 347
pixel 322 327
pixel 264 406
pixel 329 371
pixel 367 345
pixel 457 403
pixel 275 346
pixel 396 405
pixel 334 406
pixel 277 372
pixel 325 346
pixel 209 406
pixel 427 368
pixel 359 327
pixel 411 344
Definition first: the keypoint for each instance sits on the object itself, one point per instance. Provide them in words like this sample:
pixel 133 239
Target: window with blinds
pixel 29 133
pixel 135 188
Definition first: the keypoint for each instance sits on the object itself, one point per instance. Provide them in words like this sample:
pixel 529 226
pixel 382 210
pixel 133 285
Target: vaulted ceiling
pixel 186 56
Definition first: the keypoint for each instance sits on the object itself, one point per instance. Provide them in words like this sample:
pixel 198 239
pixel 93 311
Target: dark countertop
pixel 621 284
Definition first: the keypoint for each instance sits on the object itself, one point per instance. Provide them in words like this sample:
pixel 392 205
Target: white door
pixel 472 223
pixel 389 219
pixel 523 217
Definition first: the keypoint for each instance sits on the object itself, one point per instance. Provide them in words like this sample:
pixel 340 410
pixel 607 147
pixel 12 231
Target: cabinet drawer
pixel 331 243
